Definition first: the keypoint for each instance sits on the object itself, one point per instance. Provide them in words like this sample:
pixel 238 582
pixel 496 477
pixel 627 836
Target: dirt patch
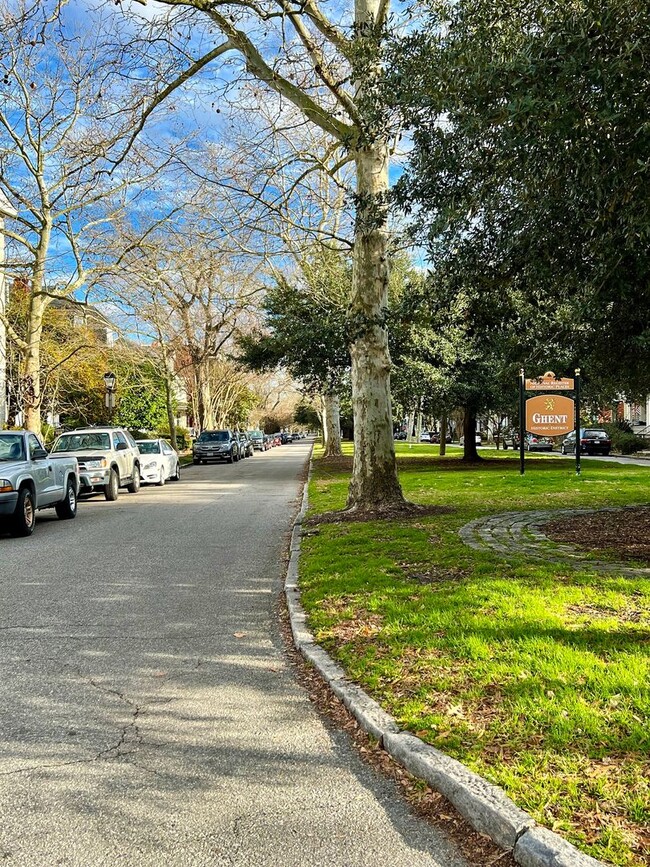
pixel 424 573
pixel 400 512
pixel 623 532
pixel 598 612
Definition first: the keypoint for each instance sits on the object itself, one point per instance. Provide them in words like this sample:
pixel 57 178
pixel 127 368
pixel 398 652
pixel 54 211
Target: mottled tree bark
pixel 331 425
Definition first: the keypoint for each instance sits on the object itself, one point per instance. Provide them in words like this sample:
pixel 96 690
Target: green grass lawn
pixel 534 675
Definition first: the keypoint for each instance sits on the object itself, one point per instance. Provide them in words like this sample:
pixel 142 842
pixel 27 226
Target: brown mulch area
pixel 478 849
pixel 400 513
pixel 623 532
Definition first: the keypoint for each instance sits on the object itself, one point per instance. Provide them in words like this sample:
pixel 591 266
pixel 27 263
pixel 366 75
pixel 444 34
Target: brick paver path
pixel 520 533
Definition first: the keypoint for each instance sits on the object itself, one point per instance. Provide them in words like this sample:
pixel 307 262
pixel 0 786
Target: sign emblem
pixel 549 382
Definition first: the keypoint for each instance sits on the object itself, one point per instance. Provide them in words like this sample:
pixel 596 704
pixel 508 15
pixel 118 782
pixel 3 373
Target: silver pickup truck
pixel 30 480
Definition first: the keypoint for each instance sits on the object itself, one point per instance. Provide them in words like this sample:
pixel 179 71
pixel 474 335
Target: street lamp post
pixel 109 397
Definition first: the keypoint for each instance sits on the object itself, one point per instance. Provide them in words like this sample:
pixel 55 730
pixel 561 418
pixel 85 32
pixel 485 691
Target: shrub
pixel 623 439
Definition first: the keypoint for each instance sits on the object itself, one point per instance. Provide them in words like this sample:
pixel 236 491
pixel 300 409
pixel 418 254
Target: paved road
pixel 148 716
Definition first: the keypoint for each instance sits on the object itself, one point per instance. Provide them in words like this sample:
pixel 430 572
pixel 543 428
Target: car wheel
pixel 177 474
pixel 24 517
pixel 134 487
pixel 112 489
pixel 67 508
pixel 161 480
pixel 563 449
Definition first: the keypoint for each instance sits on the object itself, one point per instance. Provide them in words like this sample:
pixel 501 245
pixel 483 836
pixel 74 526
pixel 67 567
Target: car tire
pixel 161 481
pixel 67 508
pixel 134 487
pixel 23 519
pixel 112 489
pixel 177 474
pixel 563 449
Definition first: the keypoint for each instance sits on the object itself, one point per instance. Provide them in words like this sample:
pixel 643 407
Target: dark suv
pixel 215 445
pixel 593 441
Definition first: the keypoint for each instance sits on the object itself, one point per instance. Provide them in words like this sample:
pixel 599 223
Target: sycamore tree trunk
pixel 31 351
pixel 31 378
pixel 374 483
pixel 331 425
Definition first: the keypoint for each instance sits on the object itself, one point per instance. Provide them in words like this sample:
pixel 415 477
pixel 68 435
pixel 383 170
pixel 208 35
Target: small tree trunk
pixel 469 432
pixel 171 418
pixel 332 425
pixel 443 434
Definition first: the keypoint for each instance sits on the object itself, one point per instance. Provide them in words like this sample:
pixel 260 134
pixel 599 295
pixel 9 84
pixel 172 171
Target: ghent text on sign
pixel 550 414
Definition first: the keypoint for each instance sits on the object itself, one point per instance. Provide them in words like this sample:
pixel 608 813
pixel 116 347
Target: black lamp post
pixel 109 397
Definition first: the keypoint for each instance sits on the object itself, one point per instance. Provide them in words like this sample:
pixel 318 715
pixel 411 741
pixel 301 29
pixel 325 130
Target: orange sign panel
pixel 548 382
pixel 550 415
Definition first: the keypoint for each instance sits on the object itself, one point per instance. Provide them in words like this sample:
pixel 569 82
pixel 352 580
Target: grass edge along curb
pixel 485 806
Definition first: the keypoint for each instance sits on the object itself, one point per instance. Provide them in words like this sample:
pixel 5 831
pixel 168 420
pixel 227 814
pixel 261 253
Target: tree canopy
pixel 528 178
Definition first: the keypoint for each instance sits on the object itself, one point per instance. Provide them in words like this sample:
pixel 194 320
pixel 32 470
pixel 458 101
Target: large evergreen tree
pixel 528 177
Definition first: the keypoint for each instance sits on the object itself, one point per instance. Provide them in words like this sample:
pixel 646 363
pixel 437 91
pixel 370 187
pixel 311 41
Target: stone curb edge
pixel 485 806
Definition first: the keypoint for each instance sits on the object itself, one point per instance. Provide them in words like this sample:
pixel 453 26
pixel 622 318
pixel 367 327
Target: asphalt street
pixel 148 714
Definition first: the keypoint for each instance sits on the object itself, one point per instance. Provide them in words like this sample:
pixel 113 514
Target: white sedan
pixel 159 462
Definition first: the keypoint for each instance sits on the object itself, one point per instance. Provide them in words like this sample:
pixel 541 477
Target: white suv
pixel 108 458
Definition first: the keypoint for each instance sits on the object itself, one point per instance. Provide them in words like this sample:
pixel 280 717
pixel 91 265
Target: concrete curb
pixel 485 806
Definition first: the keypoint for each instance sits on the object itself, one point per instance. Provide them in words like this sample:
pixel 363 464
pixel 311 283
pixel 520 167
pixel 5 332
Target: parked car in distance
pixel 108 459
pixel 268 442
pixel 425 436
pixel 215 445
pixel 30 480
pixel 435 438
pixel 593 441
pixel 257 439
pixel 159 462
pixel 534 443
pixel 478 439
pixel 399 435
pixel 510 439
pixel 246 449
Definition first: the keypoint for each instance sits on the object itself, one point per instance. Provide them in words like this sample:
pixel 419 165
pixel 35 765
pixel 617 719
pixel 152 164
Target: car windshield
pixel 148 447
pixel 213 436
pixel 255 434
pixel 74 442
pixel 11 447
pixel 595 435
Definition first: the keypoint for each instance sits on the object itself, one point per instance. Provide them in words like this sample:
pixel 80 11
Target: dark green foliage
pixel 306 329
pixel 529 176
pixel 624 440
pixel 141 398
pixel 307 416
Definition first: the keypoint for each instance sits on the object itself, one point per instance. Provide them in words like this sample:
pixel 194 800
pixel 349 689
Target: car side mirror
pixel 39 454
pixel 120 447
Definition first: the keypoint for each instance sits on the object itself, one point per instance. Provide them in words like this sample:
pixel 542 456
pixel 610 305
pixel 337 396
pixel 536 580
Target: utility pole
pixel 6 210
